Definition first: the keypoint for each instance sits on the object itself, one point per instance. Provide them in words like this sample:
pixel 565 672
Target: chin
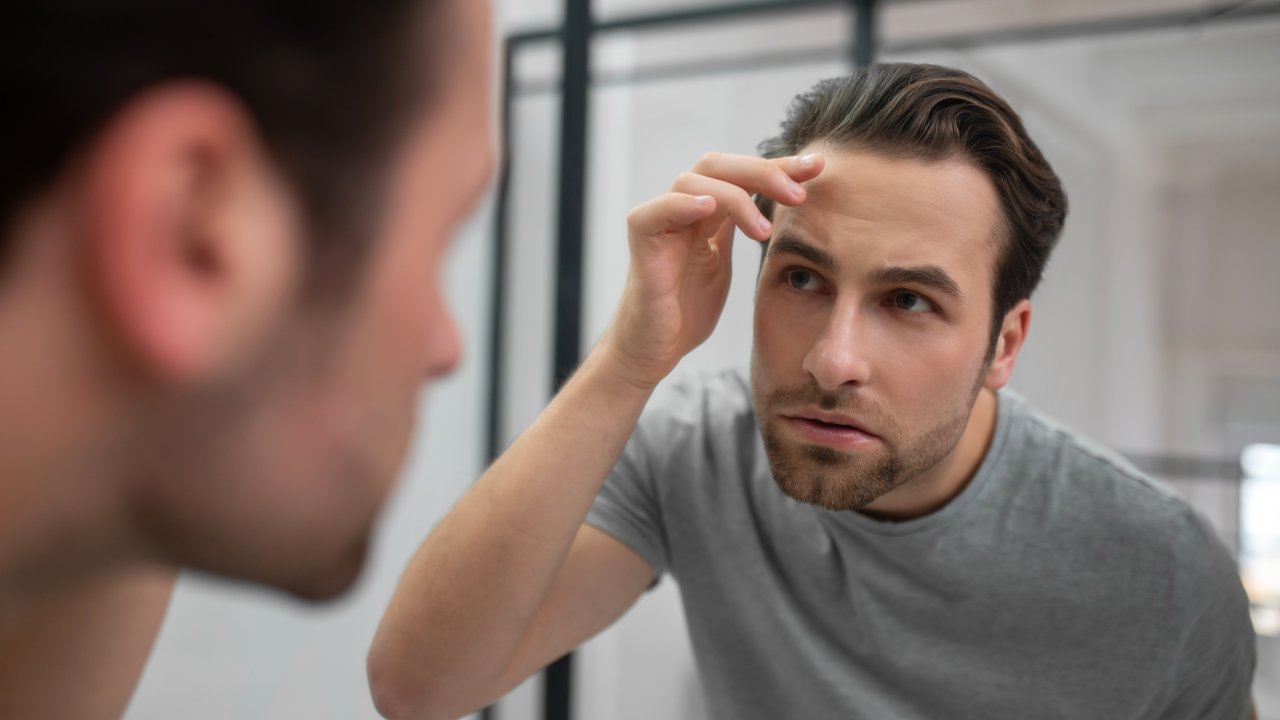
pixel 341 534
pixel 828 493
pixel 830 478
pixel 330 580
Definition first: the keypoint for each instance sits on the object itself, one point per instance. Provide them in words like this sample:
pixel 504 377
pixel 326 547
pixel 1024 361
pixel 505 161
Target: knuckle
pixel 686 179
pixel 743 203
pixel 780 178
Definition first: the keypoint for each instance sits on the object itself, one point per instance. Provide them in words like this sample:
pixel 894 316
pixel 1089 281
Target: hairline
pixel 1000 238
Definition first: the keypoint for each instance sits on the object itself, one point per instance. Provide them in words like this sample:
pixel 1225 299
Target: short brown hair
pixel 330 86
pixel 933 113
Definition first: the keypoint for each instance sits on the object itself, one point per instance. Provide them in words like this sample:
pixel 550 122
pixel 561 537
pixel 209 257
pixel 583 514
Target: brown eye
pixel 911 302
pixel 801 279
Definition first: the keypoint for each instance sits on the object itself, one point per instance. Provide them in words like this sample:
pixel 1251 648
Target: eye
pixel 908 301
pixel 802 279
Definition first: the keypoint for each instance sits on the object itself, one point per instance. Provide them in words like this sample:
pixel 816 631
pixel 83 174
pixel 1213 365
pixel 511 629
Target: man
pixel 865 525
pixel 224 224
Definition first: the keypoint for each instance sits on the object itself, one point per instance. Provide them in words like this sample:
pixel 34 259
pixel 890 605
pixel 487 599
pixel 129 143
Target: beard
pixel 840 480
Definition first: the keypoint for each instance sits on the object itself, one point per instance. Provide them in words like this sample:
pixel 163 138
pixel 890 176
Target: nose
pixel 444 346
pixel 839 357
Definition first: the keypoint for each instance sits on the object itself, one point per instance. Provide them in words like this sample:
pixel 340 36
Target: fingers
pixel 777 178
pixel 802 167
pixel 721 186
pixel 672 211
pixel 731 200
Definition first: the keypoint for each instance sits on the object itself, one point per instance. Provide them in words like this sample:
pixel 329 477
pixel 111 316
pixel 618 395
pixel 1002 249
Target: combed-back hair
pixel 932 113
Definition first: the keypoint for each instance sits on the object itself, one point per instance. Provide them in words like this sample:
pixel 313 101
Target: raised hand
pixel 680 245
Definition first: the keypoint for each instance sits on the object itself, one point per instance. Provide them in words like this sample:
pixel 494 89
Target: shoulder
pixel 699 400
pixel 1065 461
pixel 1142 565
pixel 1129 519
pixel 696 419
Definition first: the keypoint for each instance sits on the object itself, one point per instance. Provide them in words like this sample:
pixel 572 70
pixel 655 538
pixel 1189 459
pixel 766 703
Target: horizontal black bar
pixel 532 36
pixel 1213 15
pixel 684 17
pixel 1187 468
pixel 713 12
pixel 701 68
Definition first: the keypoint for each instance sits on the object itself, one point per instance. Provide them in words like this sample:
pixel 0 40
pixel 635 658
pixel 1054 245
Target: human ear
pixel 1013 332
pixel 190 237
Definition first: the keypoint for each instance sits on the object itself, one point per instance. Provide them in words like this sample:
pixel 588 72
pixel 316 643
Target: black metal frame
pixel 576 35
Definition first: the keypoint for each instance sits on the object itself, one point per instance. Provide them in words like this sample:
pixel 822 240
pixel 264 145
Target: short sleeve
pixel 1213 670
pixel 628 507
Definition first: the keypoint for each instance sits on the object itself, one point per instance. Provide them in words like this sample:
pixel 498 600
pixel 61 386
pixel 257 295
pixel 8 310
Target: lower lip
pixel 835 436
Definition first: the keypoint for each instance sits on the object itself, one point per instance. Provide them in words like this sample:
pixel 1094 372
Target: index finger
pixel 776 178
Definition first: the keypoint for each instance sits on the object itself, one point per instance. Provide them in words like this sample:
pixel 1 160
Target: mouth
pixel 830 429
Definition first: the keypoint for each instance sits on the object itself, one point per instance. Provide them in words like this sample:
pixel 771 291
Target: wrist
pixel 608 366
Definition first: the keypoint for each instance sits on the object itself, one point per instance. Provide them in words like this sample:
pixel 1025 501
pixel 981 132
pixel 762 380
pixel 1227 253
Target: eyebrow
pixel 929 276
pixel 788 243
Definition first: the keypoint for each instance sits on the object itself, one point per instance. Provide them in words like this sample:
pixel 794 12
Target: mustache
pixel 811 394
pixel 849 402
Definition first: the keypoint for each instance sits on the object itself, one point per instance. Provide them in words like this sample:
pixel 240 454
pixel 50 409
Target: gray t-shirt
pixel 1060 583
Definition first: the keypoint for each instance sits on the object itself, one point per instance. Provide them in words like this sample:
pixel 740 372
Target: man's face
pixel 872 323
pixel 292 462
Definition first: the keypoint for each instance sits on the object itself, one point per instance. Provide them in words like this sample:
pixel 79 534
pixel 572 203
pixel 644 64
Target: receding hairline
pixel 1001 234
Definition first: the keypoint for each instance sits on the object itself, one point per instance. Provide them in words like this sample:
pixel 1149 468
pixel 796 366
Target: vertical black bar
pixel 558 678
pixel 498 267
pixel 557 689
pixel 498 272
pixel 573 182
pixel 863 51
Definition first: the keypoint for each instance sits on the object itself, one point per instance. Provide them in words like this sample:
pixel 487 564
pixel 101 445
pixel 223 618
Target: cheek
pixel 781 334
pixel 406 293
pixel 408 319
pixel 931 367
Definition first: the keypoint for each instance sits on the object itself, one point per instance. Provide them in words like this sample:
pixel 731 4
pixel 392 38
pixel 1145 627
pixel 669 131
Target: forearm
pixel 464 622
pixel 473 587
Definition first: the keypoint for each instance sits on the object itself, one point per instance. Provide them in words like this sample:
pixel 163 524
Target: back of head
pixel 326 83
pixel 933 113
pixel 226 423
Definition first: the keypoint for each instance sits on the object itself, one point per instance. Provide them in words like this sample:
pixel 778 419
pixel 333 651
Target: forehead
pixel 466 43
pixel 870 210
pixel 455 130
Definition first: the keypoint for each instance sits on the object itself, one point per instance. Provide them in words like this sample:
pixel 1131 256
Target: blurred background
pixel 1156 331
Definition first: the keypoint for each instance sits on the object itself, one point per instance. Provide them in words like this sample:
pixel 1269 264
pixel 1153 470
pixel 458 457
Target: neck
pixel 59 513
pixel 938 486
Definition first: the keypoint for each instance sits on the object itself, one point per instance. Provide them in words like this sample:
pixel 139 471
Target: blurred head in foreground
pixel 223 230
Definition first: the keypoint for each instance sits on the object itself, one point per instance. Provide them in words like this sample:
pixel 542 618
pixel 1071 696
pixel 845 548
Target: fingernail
pixel 702 199
pixel 795 188
pixel 764 224
pixel 807 160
